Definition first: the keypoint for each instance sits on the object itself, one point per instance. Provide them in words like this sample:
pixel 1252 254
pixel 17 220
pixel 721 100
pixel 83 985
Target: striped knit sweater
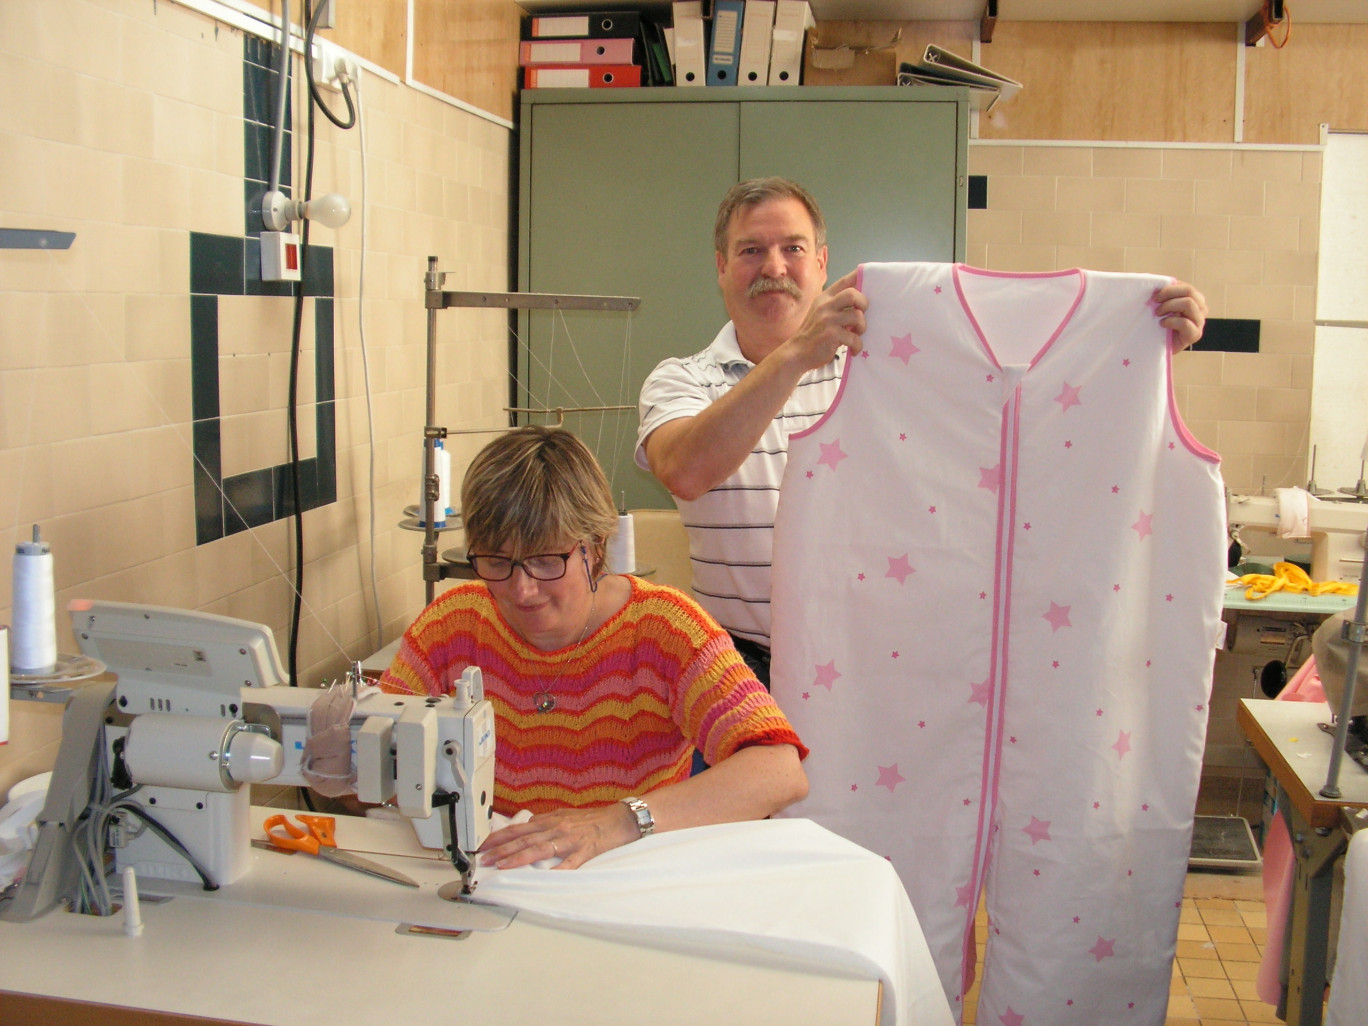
pixel 657 679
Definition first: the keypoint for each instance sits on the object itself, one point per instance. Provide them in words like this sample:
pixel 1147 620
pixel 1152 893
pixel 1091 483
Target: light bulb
pixel 278 211
pixel 332 210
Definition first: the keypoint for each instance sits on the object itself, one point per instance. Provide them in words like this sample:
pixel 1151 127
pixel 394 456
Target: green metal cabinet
pixel 618 194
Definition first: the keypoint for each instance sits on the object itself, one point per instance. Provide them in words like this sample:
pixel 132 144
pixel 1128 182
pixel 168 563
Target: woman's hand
pixel 573 835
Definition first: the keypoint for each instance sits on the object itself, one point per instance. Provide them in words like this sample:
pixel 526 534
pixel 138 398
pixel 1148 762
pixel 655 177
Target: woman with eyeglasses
pixel 602 684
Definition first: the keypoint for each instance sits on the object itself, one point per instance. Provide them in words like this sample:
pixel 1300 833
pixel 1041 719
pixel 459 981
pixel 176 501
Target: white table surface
pixel 300 941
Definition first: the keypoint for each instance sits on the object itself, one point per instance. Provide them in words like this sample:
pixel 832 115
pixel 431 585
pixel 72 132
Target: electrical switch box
pixel 279 256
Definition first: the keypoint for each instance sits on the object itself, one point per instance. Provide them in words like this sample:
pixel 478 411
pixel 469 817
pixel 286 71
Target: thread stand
pixel 435 299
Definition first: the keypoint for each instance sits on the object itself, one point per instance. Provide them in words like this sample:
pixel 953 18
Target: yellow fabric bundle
pixel 1290 577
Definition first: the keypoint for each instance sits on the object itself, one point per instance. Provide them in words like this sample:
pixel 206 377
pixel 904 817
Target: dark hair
pixel 761 190
pixel 531 489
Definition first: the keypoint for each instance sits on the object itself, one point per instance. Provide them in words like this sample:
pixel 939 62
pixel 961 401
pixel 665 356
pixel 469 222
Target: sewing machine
pixel 199 713
pixel 1336 528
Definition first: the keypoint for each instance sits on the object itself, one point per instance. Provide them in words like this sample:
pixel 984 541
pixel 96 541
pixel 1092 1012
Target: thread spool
pixel 133 924
pixel 441 506
pixel 33 641
pixel 622 546
pixel 443 461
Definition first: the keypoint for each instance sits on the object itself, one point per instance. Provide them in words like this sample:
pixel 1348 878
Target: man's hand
pixel 836 319
pixel 1183 310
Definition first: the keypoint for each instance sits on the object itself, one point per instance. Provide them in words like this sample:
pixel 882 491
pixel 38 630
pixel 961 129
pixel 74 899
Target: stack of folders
pixel 939 66
pixel 593 50
pixel 744 42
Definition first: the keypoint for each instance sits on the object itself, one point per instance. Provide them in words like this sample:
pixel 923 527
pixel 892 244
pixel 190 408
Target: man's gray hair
pixel 761 190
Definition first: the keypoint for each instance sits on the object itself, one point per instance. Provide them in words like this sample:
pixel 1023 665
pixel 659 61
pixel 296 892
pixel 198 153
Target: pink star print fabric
pixel 997 588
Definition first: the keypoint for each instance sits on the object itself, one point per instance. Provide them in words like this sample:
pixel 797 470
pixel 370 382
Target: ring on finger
pixel 553 850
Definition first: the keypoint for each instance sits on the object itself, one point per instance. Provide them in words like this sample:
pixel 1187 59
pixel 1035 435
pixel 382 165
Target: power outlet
pixel 330 62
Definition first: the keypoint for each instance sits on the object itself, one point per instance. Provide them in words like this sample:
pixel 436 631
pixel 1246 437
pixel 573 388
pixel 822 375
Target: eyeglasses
pixel 548 566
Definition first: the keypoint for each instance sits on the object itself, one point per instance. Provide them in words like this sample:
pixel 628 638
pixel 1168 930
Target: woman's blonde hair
pixel 532 488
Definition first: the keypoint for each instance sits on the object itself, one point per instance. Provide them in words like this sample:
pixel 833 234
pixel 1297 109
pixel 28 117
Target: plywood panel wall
pixel 1110 81
pixel 464 48
pixel 1321 75
pixel 376 30
pixel 469 50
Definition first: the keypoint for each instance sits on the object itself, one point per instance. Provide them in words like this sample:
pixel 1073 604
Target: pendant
pixel 543 701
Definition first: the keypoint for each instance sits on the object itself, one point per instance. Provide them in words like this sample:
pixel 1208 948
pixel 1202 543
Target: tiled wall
pixel 1241 224
pixel 132 126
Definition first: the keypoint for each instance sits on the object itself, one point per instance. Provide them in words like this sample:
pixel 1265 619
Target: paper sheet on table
pixel 749 890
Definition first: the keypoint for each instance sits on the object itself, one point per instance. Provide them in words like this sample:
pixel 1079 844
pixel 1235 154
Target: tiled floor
pixel 1221 934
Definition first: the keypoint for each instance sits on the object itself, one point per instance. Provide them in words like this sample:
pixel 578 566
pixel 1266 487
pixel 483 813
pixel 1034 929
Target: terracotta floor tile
pixel 1182 1008
pixel 1238 953
pixel 1199 988
pixel 1230 935
pixel 1194 932
pixel 1202 968
pixel 1221 917
pixel 1196 949
pixel 1243 970
pixel 1219 1008
pixel 1246 990
pixel 1216 903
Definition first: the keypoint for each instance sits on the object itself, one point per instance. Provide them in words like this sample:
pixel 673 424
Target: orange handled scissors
pixel 319 831
pixel 318 836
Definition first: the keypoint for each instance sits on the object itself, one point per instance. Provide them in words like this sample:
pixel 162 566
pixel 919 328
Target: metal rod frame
pixel 436 299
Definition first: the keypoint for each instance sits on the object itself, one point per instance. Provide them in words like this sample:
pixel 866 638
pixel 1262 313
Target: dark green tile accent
pixel 324 385
pixel 256 152
pixel 978 192
pixel 231 266
pixel 208 501
pixel 284 488
pixel 204 378
pixel 1229 335
pixel 216 265
pixel 327 453
pixel 318 271
pixel 248 500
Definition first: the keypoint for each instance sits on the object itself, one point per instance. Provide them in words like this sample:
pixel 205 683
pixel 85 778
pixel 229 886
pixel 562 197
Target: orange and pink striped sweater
pixel 658 678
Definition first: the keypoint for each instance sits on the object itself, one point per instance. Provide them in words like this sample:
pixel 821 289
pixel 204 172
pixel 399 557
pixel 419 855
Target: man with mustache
pixel 715 425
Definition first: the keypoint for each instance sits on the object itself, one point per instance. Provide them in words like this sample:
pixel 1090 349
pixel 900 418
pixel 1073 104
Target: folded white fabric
pixel 1294 512
pixel 744 891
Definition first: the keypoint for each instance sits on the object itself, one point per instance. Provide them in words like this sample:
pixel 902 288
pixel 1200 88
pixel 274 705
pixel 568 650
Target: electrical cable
pixel 311 26
pixel 170 839
pixel 292 406
pixel 365 368
pixel 292 410
pixel 1267 14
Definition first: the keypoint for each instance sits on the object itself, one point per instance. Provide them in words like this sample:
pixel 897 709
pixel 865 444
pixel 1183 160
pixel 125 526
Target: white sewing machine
pixel 199 714
pixel 1336 528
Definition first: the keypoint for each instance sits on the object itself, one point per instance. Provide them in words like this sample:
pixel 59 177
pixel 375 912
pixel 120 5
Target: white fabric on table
pixel 748 891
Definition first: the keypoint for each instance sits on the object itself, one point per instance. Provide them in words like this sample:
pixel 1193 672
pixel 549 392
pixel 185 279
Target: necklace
pixel 544 701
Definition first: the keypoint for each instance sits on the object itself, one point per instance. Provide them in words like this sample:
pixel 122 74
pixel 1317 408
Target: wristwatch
pixel 642 812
